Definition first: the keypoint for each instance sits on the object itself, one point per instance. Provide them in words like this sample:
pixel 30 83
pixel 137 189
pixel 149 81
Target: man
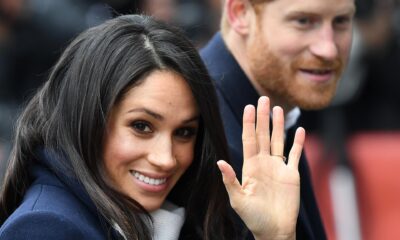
pixel 289 50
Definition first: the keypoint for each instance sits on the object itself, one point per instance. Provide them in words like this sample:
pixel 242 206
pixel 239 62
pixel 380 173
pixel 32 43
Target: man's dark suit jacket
pixel 235 92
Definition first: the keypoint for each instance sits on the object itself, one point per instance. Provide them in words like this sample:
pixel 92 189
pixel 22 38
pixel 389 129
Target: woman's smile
pixel 148 180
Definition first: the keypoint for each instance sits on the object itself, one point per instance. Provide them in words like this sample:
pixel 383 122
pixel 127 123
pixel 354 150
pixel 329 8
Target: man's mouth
pixel 318 71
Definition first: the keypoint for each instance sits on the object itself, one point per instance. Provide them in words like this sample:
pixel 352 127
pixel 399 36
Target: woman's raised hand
pixel 268 199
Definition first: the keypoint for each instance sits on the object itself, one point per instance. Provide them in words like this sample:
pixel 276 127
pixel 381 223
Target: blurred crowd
pixel 34 32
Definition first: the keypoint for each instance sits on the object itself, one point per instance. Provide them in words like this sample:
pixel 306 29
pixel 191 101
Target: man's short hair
pixel 224 26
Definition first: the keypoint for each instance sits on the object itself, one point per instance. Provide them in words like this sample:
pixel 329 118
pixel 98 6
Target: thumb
pixel 232 184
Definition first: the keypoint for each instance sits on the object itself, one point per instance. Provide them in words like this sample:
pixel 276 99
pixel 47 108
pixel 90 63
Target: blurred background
pixel 353 146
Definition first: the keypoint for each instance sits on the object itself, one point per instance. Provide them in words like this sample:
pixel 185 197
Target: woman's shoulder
pixel 40 225
pixel 51 212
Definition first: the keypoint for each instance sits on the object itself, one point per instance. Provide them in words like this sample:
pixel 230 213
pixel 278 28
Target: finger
pixel 248 134
pixel 278 133
pixel 297 148
pixel 262 128
pixel 231 183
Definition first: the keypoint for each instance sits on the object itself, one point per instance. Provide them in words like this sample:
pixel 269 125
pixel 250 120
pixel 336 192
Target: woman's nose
pixel 162 155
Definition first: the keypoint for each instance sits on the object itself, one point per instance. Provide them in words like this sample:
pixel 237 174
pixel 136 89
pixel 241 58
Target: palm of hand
pixel 268 199
pixel 270 196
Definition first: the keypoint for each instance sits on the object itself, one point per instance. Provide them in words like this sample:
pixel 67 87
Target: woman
pixel 126 126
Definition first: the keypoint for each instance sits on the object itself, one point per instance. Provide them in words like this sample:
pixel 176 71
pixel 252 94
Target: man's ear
pixel 238 13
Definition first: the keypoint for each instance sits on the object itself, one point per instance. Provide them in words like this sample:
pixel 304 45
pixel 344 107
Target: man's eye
pixel 304 21
pixel 141 127
pixel 343 21
pixel 185 133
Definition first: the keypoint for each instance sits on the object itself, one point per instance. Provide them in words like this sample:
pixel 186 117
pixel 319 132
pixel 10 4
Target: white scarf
pixel 167 222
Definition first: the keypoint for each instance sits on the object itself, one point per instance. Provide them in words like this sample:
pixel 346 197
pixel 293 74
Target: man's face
pixel 298 49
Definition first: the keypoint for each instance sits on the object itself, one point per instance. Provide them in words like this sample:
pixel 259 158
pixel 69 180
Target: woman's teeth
pixel 148 180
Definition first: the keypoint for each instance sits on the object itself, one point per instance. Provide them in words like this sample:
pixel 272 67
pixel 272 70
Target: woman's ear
pixel 239 14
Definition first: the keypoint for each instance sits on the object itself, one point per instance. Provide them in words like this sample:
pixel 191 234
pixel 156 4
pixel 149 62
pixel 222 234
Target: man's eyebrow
pixel 308 12
pixel 353 10
pixel 147 111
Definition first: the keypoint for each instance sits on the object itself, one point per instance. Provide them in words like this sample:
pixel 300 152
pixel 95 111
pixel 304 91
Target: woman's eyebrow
pixel 159 116
pixel 149 112
pixel 192 119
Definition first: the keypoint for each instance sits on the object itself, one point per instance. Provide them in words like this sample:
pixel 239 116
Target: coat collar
pixel 51 168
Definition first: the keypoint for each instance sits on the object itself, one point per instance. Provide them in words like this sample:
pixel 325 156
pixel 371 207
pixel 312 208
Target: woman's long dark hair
pixel 69 113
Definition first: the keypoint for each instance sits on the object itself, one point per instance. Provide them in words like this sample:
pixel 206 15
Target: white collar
pixel 291 117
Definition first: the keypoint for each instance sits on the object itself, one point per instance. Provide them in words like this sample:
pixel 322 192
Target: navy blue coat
pixel 54 207
pixel 235 92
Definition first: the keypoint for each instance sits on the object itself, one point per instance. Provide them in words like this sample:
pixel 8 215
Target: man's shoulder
pixel 216 56
pixel 207 50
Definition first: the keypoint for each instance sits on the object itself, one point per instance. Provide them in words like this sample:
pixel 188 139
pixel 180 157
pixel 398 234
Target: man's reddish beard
pixel 280 83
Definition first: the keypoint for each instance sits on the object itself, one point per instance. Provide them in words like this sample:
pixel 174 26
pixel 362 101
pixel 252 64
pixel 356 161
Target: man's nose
pixel 162 154
pixel 324 46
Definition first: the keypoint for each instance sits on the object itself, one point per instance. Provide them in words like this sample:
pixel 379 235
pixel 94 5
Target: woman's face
pixel 150 138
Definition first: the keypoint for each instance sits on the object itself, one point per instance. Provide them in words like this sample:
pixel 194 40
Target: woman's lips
pixel 149 180
pixel 148 183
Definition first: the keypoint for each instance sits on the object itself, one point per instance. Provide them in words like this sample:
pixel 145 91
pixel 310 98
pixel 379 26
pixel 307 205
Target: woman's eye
pixel 185 133
pixel 142 127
